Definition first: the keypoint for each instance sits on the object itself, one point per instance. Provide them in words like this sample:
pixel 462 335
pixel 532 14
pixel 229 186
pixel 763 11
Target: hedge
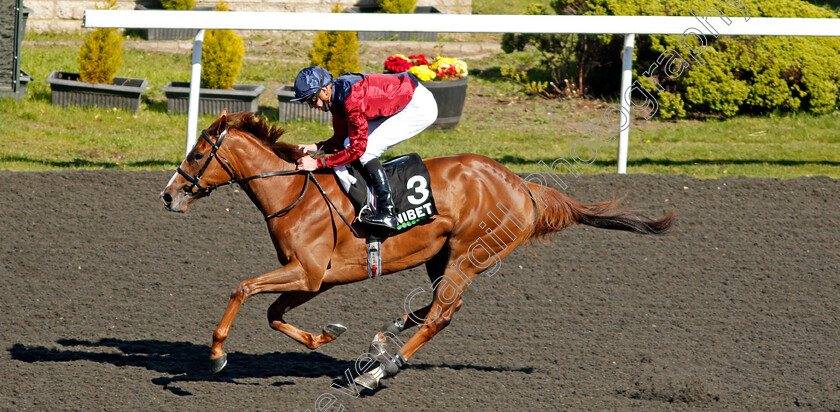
pixel 730 75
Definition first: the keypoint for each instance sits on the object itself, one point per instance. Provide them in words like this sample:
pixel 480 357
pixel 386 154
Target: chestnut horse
pixel 484 212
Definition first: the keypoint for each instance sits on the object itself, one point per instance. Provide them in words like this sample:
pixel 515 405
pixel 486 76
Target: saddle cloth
pixel 410 189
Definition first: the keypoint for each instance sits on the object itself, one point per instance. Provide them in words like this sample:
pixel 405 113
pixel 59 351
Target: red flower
pixel 419 59
pixel 397 64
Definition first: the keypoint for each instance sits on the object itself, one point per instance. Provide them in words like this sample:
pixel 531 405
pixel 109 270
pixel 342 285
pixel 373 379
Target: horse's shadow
pixel 184 361
pixel 188 362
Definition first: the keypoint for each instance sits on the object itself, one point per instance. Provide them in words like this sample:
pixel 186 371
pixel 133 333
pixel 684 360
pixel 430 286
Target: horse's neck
pixel 267 193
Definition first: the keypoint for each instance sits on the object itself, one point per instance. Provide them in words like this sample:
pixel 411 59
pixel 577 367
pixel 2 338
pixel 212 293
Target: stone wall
pixel 66 15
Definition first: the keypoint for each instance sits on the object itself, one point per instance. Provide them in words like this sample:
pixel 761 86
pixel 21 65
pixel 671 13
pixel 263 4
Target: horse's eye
pixel 198 156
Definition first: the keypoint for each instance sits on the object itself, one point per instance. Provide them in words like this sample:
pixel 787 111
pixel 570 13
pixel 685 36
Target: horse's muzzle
pixel 175 203
pixel 167 200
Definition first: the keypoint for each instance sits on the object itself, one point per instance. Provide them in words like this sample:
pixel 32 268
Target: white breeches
pixel 386 132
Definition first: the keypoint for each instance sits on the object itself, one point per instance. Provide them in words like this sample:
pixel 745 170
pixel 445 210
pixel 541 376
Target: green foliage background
pixel 336 51
pixel 101 53
pixel 746 74
pixel 178 4
pixel 100 56
pixel 397 6
pixel 221 57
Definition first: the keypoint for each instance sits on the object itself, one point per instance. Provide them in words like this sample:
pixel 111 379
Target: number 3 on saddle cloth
pixel 412 195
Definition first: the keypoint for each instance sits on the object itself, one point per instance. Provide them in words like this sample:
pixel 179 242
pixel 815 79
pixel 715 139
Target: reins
pixel 194 180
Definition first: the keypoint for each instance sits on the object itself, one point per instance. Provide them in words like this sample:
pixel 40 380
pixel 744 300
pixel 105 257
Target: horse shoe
pixel 216 365
pixel 370 380
pixel 334 330
pixel 388 366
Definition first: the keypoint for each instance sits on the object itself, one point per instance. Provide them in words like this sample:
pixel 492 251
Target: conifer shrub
pixel 335 51
pixel 101 53
pixel 573 65
pixel 744 74
pixel 221 56
pixel 397 6
pixel 178 4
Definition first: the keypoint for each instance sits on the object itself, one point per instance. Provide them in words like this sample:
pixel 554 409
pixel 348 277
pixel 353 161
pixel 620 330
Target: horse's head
pixel 203 169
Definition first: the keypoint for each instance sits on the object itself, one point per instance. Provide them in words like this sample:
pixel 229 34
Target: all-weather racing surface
pixel 109 302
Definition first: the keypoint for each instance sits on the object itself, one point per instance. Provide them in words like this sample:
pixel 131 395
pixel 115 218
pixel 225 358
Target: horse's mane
pixel 267 134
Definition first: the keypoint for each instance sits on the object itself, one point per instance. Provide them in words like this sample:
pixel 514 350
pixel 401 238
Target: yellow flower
pixel 461 67
pixel 441 68
pixel 422 72
pixel 443 64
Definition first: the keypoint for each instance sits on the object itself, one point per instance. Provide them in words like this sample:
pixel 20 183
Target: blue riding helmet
pixel 310 80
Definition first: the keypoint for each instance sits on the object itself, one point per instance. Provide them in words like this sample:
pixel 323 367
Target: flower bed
pixel 441 68
pixel 445 77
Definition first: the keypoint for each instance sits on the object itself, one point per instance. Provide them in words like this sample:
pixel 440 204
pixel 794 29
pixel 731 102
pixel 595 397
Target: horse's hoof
pixel 334 330
pixel 368 381
pixel 216 365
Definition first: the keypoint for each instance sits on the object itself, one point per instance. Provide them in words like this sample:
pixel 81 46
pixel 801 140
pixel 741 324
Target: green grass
pixel 519 6
pixel 504 7
pixel 499 121
pixel 802 145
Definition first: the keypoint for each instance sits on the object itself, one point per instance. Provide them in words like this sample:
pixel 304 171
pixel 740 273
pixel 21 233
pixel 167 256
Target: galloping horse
pixel 484 212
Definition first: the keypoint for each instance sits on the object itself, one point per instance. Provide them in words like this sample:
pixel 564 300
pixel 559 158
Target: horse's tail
pixel 557 211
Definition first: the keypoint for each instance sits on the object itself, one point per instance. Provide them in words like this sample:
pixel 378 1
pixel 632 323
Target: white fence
pixel 722 18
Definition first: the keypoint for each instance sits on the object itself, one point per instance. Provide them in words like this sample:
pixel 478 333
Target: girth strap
pixel 332 205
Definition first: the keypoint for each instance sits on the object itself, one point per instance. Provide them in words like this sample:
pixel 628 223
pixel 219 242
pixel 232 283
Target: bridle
pixel 228 168
pixel 195 180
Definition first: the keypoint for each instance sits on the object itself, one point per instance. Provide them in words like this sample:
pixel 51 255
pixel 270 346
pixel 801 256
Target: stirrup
pixel 381 220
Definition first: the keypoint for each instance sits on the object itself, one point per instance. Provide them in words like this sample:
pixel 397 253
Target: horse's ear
pixel 220 123
pixel 223 117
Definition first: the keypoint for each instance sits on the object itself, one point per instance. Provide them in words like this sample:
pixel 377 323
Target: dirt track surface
pixel 109 303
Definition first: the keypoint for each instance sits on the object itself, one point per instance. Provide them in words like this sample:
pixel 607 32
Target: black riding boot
pixel 385 215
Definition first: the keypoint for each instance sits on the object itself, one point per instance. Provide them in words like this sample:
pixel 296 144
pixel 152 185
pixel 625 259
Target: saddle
pixel 414 202
pixel 410 190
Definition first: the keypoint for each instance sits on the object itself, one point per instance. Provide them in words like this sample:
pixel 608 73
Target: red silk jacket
pixel 356 99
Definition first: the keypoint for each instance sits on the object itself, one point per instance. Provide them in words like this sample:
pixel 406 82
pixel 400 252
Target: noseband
pixel 195 180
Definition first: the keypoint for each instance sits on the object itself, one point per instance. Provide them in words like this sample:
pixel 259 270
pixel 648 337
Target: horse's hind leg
pixel 435 268
pixel 436 316
pixel 290 300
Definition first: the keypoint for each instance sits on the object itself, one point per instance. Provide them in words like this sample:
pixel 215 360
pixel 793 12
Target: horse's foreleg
pixel 290 300
pixel 288 278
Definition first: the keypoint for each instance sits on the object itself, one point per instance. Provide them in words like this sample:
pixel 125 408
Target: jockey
pixel 371 113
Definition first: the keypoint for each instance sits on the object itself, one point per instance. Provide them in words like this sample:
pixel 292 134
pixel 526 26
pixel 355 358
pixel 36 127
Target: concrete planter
pixel 242 98
pixel 289 110
pixel 23 82
pixel 450 96
pixel 13 80
pixel 166 34
pixel 392 35
pixel 24 12
pixel 123 93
